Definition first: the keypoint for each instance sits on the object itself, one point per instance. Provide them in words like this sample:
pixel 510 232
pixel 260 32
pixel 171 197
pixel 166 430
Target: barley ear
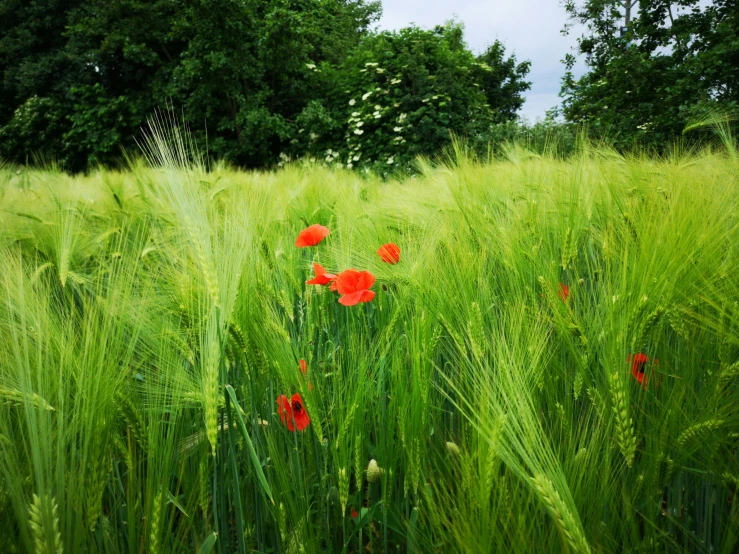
pixel 154 546
pixel 568 526
pixel 647 326
pixel 43 519
pixel 343 489
pixel 624 425
pixel 694 431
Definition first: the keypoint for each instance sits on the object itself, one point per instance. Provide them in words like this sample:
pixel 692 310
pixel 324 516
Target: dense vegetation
pixel 553 364
pixel 254 80
pixel 649 76
pixel 260 83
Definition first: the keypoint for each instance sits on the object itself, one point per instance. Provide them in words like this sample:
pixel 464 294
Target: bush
pixel 402 94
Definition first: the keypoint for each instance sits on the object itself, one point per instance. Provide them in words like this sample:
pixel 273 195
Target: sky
pixel 528 28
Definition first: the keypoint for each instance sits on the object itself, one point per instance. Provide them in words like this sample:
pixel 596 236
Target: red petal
pixel 301 416
pixel 352 298
pixel 367 295
pixel 311 236
pixel 303 366
pixel 564 292
pixel 319 280
pixel 389 253
pixel 346 281
pixel 637 368
pixel 365 280
pixel 286 412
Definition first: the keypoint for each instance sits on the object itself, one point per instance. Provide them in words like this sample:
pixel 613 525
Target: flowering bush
pixel 402 94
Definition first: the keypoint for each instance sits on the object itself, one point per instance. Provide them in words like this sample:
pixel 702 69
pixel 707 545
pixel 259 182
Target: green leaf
pixel 172 500
pixel 208 543
pixel 252 453
pixel 366 515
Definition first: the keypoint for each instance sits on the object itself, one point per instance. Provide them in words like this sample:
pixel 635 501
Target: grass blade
pixel 253 453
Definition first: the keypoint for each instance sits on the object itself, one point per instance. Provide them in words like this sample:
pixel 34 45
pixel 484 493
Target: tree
pixel 647 77
pixel 79 78
pixel 253 80
pixel 504 84
pixel 31 61
pixel 402 94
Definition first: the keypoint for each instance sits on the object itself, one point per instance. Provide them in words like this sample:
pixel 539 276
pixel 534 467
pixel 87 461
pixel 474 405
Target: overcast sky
pixel 528 28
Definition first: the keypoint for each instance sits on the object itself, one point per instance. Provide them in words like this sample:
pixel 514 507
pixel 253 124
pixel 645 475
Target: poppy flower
pixel 354 286
pixel 304 371
pixel 355 515
pixel 292 412
pixel 286 412
pixel 311 236
pixel 390 253
pixel 638 368
pixel 564 292
pixel 321 278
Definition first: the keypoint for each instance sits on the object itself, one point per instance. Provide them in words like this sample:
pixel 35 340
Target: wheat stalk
pixel 43 519
pixel 698 429
pixel 568 526
pixel 624 425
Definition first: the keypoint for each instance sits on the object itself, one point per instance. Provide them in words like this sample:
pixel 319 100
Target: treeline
pixel 653 67
pixel 258 82
pixel 261 82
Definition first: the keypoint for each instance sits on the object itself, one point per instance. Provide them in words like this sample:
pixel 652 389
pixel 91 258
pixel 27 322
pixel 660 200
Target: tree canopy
pixel 256 81
pixel 648 76
pixel 400 94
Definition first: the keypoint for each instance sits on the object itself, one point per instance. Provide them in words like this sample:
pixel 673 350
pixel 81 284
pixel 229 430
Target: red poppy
pixel 304 370
pixel 311 236
pixel 354 286
pixel 292 412
pixel 638 368
pixel 286 412
pixel 564 292
pixel 321 278
pixel 355 515
pixel 390 253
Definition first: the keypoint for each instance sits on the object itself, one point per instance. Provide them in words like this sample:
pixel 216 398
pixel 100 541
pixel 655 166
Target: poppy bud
pixel 581 281
pixel 452 448
pixel 374 472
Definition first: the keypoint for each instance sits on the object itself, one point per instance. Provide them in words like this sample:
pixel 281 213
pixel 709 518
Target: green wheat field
pixel 552 365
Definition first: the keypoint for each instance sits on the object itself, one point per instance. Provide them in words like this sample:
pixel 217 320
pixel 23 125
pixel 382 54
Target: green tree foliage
pixel 253 79
pixel 78 79
pixel 401 94
pixel 503 82
pixel 646 80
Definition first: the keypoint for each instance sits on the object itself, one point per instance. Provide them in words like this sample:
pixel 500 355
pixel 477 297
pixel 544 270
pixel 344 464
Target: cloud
pixel 528 28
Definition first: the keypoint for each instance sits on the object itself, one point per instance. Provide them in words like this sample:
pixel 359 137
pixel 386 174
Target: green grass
pixel 150 318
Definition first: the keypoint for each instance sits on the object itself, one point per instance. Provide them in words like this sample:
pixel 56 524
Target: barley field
pixel 532 355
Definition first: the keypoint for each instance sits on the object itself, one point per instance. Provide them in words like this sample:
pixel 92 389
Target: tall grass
pixel 150 318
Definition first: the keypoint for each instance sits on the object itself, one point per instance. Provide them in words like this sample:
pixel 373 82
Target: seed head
pixel 374 472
